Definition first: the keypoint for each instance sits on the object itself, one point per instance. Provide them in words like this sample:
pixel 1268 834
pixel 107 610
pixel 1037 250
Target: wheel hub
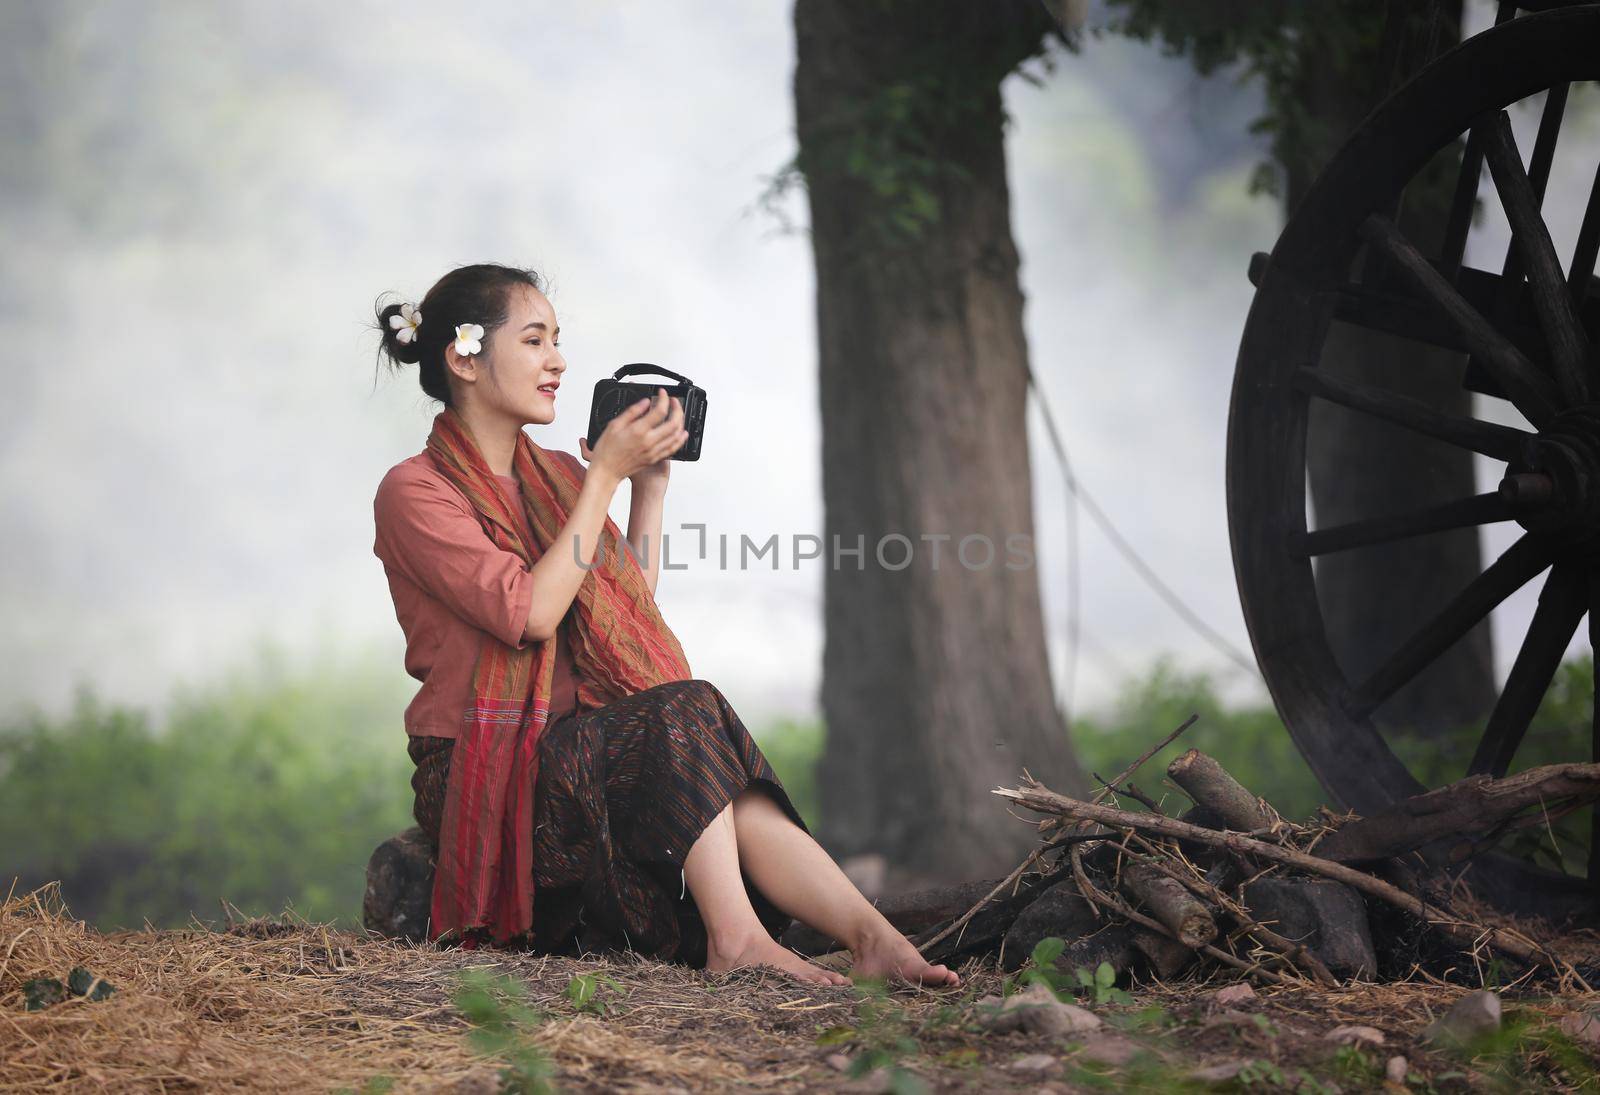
pixel 1556 487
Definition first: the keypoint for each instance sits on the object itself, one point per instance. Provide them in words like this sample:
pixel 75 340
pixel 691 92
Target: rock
pixel 1034 1063
pixel 1233 995
pixel 1219 1073
pixel 1328 917
pixel 1355 1035
pixel 399 893
pixel 1582 1027
pixel 838 1061
pixel 1396 1069
pixel 1231 1017
pixel 1036 1011
pixel 1103 1047
pixel 1059 911
pixel 1472 1016
pixel 876 1082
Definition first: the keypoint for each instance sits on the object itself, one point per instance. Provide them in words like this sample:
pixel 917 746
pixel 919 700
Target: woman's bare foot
pixel 760 949
pixel 888 954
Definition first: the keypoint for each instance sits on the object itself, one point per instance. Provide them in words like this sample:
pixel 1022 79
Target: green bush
pixel 264 789
pixel 272 786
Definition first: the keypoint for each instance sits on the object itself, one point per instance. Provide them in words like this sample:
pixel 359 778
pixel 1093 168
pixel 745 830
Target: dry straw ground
pixel 282 1004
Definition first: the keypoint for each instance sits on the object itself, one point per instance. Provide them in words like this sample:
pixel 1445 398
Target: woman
pixel 584 791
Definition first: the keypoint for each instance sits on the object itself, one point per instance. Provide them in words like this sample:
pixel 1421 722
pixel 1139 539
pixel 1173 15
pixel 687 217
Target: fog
pixel 201 203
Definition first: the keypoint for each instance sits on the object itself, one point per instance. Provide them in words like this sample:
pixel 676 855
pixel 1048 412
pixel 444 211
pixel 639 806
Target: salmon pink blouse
pixel 450 584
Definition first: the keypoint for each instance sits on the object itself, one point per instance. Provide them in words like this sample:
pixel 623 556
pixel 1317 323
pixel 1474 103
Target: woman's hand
pixel 638 443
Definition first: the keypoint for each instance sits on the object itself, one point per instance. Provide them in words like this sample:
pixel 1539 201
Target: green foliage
pixel 1248 740
pixel 503 1027
pixel 1101 985
pixel 584 992
pixel 1279 43
pixel 264 790
pixel 1098 985
pixel 792 748
pixel 1559 733
pixel 883 1036
pixel 892 140
pixel 1040 969
pixel 376 1085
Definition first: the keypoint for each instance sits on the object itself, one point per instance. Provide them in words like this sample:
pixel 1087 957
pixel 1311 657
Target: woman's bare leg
pixel 735 936
pixel 799 877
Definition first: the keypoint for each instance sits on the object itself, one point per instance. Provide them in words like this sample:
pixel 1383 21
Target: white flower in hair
pixel 467 338
pixel 406 323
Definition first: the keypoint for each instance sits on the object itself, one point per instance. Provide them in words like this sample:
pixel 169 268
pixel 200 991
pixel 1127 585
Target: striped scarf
pixel 483 881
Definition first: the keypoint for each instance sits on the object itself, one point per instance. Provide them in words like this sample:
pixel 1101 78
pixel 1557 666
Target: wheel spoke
pixel 1588 246
pixel 1594 732
pixel 1482 509
pixel 1562 603
pixel 1507 574
pixel 1461 206
pixel 1523 384
pixel 1569 347
pixel 1489 438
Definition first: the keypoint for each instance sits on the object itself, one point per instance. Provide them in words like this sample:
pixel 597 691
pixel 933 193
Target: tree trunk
pixel 1373 598
pixel 935 685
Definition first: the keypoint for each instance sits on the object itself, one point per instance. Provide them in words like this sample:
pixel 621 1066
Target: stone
pixel 1355 1035
pixel 877 1082
pixel 1396 1070
pixel 1059 911
pixel 838 1061
pixel 1102 1047
pixel 1582 1026
pixel 1229 996
pixel 1034 1063
pixel 1219 1073
pixel 1328 917
pixel 1035 1011
pixel 398 900
pixel 1472 1016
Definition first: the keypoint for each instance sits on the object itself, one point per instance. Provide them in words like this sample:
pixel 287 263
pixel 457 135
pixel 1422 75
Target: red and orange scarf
pixel 483 882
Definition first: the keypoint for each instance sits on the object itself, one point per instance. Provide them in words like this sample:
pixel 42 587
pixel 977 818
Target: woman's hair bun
pixel 405 353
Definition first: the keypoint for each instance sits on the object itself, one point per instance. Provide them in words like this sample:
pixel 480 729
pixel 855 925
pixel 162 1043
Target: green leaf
pixel 41 992
pixel 1047 950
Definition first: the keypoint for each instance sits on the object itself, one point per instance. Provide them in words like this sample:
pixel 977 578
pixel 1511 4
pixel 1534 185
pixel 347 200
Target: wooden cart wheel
pixel 1535 341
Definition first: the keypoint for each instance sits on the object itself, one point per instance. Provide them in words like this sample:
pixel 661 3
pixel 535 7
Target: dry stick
pixel 1131 791
pixel 1041 798
pixel 1121 909
pixel 1210 784
pixel 1034 856
pixel 1295 954
pixel 1171 902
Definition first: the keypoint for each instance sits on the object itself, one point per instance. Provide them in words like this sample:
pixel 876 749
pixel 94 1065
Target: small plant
pixel 584 992
pixel 1355 1068
pixel 503 1027
pixel 1040 968
pixel 375 1085
pixel 1101 985
pixel 882 1032
pixel 1262 1073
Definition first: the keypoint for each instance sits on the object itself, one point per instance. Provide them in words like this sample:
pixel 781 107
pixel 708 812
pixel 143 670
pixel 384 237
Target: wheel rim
pixel 1552 481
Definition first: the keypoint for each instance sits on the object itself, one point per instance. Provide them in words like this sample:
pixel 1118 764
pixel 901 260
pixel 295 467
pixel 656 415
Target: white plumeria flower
pixel 467 338
pixel 407 322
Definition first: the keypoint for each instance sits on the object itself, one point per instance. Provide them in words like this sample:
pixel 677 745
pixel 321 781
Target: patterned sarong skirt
pixel 622 793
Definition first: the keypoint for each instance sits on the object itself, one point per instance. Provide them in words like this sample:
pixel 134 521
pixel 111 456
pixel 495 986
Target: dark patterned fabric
pixel 622 793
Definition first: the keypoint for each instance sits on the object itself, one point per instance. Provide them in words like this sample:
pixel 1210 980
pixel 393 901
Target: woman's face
pixel 525 363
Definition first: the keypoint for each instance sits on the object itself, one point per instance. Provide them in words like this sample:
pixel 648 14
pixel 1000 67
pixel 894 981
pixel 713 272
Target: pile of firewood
pixel 1231 883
